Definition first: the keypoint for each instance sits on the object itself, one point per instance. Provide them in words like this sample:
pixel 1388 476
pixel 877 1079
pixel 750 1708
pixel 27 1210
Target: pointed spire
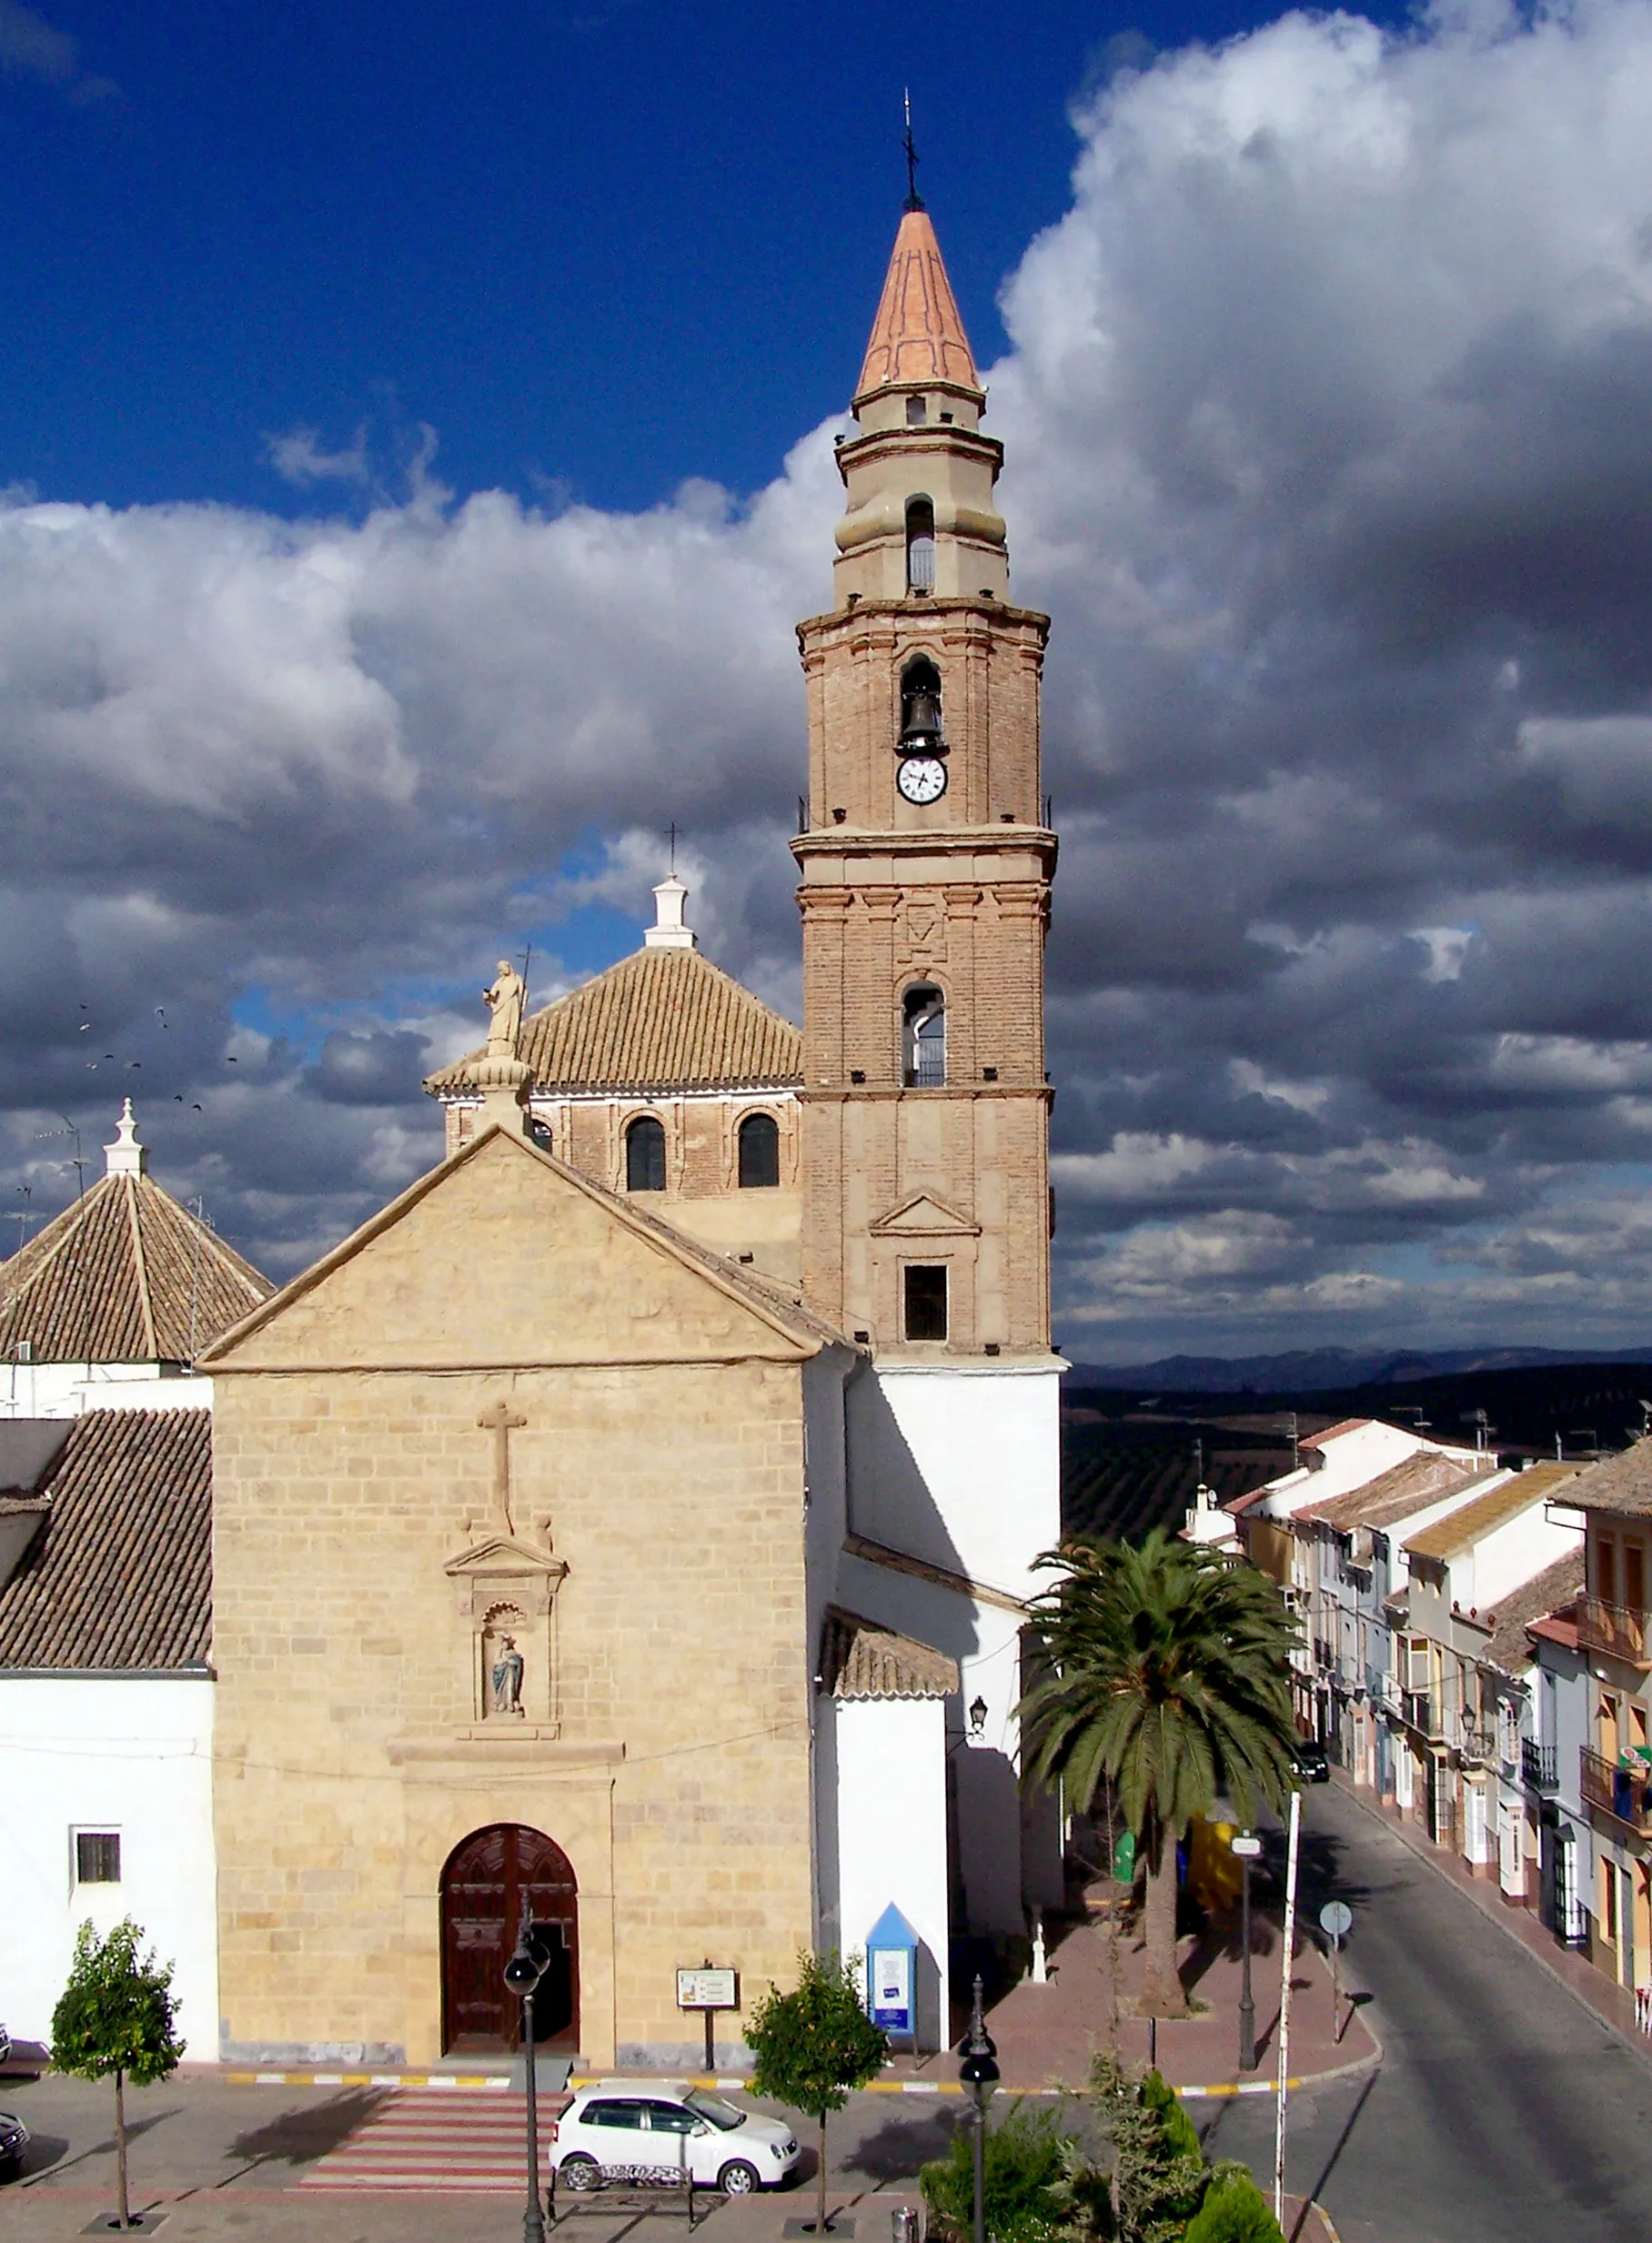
pixel 917 336
pixel 125 1156
pixel 669 932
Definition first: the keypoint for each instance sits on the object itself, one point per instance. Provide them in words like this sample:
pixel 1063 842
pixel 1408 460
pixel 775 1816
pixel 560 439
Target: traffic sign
pixel 1337 1919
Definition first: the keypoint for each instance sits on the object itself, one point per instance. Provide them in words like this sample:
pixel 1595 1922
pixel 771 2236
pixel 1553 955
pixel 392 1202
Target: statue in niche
pixel 506 1676
pixel 504 1000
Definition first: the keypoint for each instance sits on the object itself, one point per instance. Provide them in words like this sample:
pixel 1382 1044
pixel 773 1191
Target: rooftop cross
pixel 914 201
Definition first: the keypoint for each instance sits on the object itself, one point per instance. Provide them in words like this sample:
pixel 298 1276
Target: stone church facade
pixel 633 1524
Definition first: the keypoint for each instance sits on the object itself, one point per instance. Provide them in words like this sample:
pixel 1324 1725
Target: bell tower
pixel 925 862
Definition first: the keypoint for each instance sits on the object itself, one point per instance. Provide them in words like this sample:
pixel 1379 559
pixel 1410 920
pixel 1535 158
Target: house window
pixel 920 546
pixel 759 1152
pixel 923 1037
pixel 923 1303
pixel 645 1155
pixel 97 1858
pixel 1605 1570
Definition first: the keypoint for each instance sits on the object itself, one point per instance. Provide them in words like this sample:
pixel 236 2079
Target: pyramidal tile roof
pixel 125 1274
pixel 917 336
pixel 120 1575
pixel 663 1019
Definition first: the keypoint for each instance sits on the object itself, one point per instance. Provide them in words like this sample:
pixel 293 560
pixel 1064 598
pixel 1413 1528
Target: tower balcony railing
pixel 1618 1791
pixel 1613 1629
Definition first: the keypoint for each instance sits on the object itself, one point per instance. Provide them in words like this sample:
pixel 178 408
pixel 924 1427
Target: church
pixel 632 1525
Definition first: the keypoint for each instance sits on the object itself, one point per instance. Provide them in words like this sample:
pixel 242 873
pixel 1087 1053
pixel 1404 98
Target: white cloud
pixel 1329 447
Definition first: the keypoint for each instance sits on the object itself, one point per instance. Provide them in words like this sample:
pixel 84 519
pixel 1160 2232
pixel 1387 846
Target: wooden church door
pixel 488 1880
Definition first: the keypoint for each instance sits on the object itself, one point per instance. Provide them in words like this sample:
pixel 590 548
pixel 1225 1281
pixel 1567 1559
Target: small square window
pixel 97 1858
pixel 917 412
pixel 925 1301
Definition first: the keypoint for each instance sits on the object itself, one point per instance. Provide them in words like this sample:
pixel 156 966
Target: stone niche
pixel 506 1592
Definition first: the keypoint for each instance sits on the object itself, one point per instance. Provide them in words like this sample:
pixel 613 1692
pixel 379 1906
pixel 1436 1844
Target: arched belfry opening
pixel 922 731
pixel 920 544
pixel 489 1879
pixel 923 1037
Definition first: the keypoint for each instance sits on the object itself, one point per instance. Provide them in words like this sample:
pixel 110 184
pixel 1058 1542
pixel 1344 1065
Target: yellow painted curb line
pixel 499 2082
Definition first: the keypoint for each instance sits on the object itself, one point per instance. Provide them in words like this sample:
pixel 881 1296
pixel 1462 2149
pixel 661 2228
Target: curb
pixel 461 2083
pixel 1637 2046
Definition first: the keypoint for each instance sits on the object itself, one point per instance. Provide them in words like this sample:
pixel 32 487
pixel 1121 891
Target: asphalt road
pixel 1503 2113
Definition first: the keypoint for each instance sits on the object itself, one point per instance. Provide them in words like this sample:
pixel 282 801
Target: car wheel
pixel 737 2178
pixel 579 2173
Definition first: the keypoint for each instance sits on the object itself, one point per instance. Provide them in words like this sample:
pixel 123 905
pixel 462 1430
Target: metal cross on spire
pixel 671 835
pixel 914 201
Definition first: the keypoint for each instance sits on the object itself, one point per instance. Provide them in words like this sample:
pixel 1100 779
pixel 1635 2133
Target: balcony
pixel 1537 1765
pixel 1616 1791
pixel 1474 1742
pixel 1420 1710
pixel 1613 1628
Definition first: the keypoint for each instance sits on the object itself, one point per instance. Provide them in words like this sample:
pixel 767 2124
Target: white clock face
pixel 922 779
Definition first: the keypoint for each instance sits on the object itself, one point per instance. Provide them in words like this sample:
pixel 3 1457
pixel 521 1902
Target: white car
pixel 660 2131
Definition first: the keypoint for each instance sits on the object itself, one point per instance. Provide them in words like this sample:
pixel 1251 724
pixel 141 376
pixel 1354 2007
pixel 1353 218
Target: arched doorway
pixel 489 1879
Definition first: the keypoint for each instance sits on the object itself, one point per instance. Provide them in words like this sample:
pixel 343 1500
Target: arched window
pixel 645 1155
pixel 919 544
pixel 921 729
pixel 759 1152
pixel 923 1037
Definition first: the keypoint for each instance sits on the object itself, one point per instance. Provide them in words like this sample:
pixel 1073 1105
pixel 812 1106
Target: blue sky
pixel 598 248
pixel 416 452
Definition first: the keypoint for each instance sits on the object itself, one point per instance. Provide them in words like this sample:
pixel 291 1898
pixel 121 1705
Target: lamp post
pixel 1246 1846
pixel 979 2076
pixel 522 1975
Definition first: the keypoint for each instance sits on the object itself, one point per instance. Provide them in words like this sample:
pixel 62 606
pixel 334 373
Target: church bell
pixel 921 733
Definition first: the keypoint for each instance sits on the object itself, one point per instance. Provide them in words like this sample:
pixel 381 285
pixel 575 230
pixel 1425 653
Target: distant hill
pixel 1321 1369
pixel 1132 1454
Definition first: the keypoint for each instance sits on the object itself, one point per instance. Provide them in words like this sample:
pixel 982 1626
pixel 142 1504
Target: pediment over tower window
pixel 925 1216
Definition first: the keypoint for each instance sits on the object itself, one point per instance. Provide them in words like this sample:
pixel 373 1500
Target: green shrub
pixel 1180 2135
pixel 1033 2188
pixel 1235 2211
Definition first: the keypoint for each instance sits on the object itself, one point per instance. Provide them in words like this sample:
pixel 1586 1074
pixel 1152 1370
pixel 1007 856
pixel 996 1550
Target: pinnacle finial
pixel 914 201
pixel 125 1156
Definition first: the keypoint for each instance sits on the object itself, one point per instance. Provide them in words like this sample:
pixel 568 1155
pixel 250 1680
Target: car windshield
pixel 723 2115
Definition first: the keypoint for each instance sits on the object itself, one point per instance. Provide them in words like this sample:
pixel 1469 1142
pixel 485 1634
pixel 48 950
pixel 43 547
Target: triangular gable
pixel 925 1216
pixel 504 1257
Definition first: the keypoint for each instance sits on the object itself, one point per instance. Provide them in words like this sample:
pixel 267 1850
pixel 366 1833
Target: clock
pixel 922 779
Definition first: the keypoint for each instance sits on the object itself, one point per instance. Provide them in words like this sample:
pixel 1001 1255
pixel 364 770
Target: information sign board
pixel 707 1989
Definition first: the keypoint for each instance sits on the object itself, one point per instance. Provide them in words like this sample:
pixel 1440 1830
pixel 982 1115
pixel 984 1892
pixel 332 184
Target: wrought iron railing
pixel 1612 1628
pixel 1537 1765
pixel 1619 1791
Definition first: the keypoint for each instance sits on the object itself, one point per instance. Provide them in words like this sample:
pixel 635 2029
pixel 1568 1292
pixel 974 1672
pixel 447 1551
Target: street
pixel 1502 2113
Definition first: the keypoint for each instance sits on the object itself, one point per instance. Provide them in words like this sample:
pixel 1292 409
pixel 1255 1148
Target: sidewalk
pixel 1046 2035
pixel 1610 2003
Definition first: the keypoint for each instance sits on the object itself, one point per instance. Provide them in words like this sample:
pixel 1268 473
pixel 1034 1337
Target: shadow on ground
pixel 898 2148
pixel 301 2137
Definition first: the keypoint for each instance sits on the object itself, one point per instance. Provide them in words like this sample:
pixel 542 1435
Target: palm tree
pixel 1167 1674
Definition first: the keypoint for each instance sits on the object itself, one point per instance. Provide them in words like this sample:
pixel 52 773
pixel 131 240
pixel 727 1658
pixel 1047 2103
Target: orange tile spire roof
pixel 917 336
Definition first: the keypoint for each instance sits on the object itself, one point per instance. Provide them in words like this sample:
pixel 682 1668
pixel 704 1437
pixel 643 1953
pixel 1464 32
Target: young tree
pixel 116 2015
pixel 1167 1671
pixel 815 2046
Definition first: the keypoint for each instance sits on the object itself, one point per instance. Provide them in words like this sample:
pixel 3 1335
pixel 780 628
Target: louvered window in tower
pixel 645 1155
pixel 920 546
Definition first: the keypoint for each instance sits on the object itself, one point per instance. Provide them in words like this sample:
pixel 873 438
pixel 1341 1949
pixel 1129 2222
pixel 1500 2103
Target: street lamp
pixel 979 2076
pixel 523 1972
pixel 1246 1846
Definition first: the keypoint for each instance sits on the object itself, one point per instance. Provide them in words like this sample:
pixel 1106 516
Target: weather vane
pixel 914 201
